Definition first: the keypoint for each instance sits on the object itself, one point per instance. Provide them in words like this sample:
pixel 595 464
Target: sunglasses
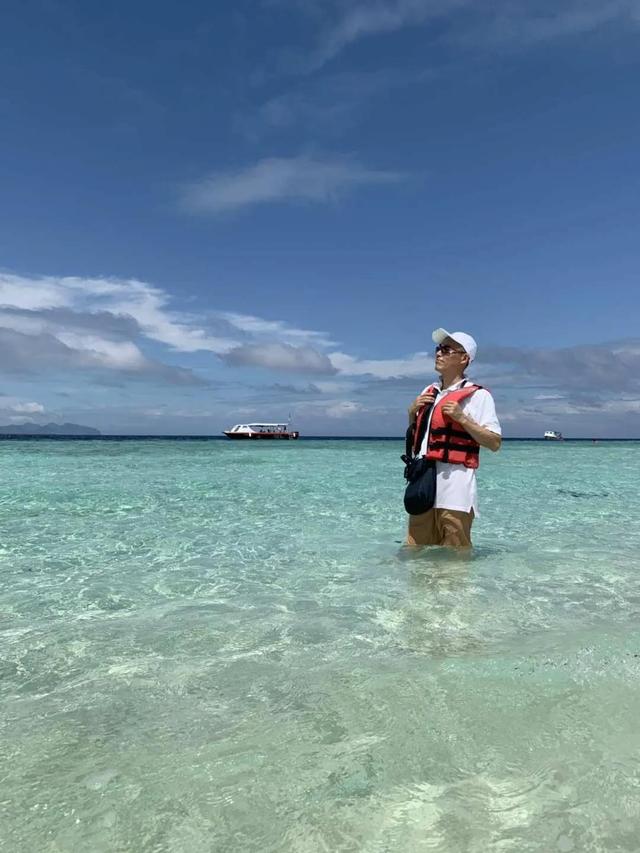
pixel 447 350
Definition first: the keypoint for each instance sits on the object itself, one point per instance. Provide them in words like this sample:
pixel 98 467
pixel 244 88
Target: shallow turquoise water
pixel 208 646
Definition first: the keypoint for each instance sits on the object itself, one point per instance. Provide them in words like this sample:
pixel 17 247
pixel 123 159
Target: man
pixel 462 419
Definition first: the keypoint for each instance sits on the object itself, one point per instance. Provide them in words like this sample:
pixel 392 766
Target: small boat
pixel 261 431
pixel 553 435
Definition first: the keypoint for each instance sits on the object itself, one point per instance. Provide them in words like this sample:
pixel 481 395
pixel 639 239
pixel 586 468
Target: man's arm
pixel 485 437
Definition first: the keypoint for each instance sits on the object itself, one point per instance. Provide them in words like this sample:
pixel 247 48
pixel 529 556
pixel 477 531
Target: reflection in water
pixel 434 615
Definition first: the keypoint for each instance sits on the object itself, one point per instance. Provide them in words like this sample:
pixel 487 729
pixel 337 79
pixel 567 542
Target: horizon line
pixel 216 437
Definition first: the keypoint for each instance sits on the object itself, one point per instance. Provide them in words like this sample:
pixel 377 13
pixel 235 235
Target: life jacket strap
pixel 453 433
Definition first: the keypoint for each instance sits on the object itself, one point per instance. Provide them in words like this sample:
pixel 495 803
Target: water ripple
pixel 207 647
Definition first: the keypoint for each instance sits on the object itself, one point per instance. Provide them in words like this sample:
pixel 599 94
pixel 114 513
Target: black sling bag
pixel 419 472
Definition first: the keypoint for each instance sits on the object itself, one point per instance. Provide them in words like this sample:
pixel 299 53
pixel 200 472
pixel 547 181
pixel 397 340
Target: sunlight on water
pixel 213 647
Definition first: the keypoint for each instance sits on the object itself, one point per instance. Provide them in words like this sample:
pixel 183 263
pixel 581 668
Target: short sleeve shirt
pixel 456 485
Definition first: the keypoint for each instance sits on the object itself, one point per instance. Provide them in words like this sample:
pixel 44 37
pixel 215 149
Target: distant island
pixel 48 429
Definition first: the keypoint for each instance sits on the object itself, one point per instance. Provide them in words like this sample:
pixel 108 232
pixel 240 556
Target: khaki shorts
pixel 448 527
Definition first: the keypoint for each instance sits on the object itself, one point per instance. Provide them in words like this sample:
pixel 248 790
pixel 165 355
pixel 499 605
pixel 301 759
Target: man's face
pixel 450 354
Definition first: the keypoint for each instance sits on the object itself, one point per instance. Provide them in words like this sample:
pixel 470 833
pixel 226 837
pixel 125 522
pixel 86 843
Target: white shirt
pixel 456 485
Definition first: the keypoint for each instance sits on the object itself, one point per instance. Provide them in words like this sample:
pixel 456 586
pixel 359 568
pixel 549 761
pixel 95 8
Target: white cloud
pixel 66 324
pixel 278 179
pixel 596 368
pixel 146 304
pixel 32 294
pixel 278 356
pixel 49 323
pixel 419 364
pixel 13 406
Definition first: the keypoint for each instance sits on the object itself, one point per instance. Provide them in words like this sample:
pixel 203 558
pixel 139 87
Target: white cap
pixel 466 341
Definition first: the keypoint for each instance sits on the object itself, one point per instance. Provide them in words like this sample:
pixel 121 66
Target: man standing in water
pixel 461 421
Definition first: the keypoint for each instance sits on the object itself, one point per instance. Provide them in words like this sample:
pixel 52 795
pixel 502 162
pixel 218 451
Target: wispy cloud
pixel 327 103
pixel 527 23
pixel 500 23
pixel 107 301
pixel 258 327
pixel 417 365
pixel 104 325
pixel 281 180
pixel 343 409
pixel 358 20
pixel 41 353
pixel 71 324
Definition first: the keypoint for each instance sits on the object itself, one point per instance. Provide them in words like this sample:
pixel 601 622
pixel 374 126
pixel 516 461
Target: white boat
pixel 553 435
pixel 261 431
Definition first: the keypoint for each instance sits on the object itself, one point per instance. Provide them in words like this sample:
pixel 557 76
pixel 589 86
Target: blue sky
pixel 212 213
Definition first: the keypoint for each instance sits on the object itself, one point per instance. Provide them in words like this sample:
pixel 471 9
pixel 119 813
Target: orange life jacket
pixel 448 441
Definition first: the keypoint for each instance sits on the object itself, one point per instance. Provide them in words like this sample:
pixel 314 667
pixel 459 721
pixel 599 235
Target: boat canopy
pixel 238 427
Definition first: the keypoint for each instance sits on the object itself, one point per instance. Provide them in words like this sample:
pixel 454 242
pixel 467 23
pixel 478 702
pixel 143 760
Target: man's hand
pixel 454 411
pixel 420 401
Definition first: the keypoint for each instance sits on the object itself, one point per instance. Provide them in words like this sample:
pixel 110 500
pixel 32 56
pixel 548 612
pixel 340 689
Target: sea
pixel 225 646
